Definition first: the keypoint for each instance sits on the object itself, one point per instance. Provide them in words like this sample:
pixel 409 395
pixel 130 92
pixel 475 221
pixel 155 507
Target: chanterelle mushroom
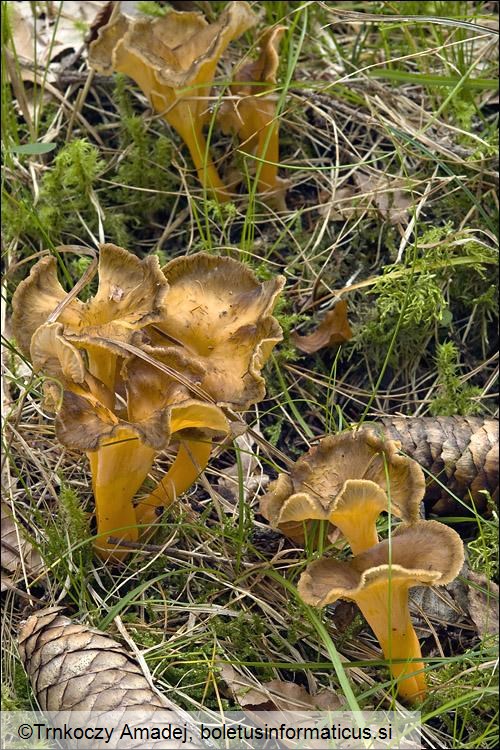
pixel 131 294
pixel 221 316
pixel 348 480
pixel 424 553
pixel 122 399
pixel 84 350
pixel 173 61
pixel 251 114
pixel 122 443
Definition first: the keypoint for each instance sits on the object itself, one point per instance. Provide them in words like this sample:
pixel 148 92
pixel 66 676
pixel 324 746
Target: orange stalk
pixel 192 458
pixel 118 470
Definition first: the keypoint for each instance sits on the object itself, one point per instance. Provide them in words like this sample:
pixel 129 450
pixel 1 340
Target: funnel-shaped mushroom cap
pixel 221 314
pixel 130 295
pixel 321 484
pixel 354 511
pixel 173 60
pixel 159 403
pixel 423 553
pixel 164 381
pixel 175 51
pixel 251 112
pixel 85 424
pixel 36 298
pixel 55 356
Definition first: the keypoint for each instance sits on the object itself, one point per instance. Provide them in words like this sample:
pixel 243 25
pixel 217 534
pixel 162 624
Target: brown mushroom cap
pixel 321 483
pixel 221 314
pixel 36 298
pixel 354 511
pixel 251 112
pixel 150 388
pixel 178 48
pixel 426 552
pixel 423 553
pixel 131 294
pixel 55 356
pixel 83 423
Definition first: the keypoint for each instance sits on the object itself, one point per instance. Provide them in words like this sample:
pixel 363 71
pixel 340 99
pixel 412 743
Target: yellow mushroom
pixel 194 423
pixel 123 399
pixel 131 294
pixel 250 112
pixel 173 60
pixel 220 315
pixel 347 480
pixel 121 449
pixel 424 553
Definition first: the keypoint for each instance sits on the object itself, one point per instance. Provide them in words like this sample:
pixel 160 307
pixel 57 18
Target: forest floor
pixel 388 137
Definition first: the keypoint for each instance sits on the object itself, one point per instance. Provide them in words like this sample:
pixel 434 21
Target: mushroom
pixel 83 351
pixel 220 315
pixel 121 444
pixel 347 480
pixel 424 553
pixel 131 295
pixel 173 60
pixel 251 114
pixel 123 399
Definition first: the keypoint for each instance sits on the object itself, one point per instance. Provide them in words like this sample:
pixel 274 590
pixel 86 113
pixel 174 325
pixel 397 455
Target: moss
pixel 65 191
pixel 482 553
pixel 425 295
pixel 454 397
pixel 150 8
pixel 73 520
pixel 469 722
pixel 16 696
pixel 144 183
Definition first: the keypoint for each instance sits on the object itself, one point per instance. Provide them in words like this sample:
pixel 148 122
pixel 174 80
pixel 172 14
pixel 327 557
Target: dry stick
pixel 82 95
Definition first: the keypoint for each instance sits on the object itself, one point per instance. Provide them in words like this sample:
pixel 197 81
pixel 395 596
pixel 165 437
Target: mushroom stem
pixel 361 536
pixel 268 150
pixel 118 470
pixel 192 458
pixel 192 134
pixel 394 630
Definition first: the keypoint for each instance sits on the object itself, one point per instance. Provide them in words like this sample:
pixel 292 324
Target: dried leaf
pixel 17 551
pixel 389 196
pixel 333 329
pixel 483 604
pixel 276 695
pixel 38 41
pixel 76 668
pixel 341 205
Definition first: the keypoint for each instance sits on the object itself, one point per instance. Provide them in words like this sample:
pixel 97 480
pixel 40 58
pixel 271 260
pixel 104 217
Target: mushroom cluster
pixel 347 481
pixel 173 60
pixel 251 114
pixel 154 357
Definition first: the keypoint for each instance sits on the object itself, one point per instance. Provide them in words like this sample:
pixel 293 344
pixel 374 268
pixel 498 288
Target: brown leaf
pixel 333 329
pixel 276 695
pixel 387 195
pixel 340 205
pixel 17 551
pixel 483 604
pixel 38 41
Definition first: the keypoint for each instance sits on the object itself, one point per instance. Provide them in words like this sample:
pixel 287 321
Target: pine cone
pixel 462 452
pixel 75 668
